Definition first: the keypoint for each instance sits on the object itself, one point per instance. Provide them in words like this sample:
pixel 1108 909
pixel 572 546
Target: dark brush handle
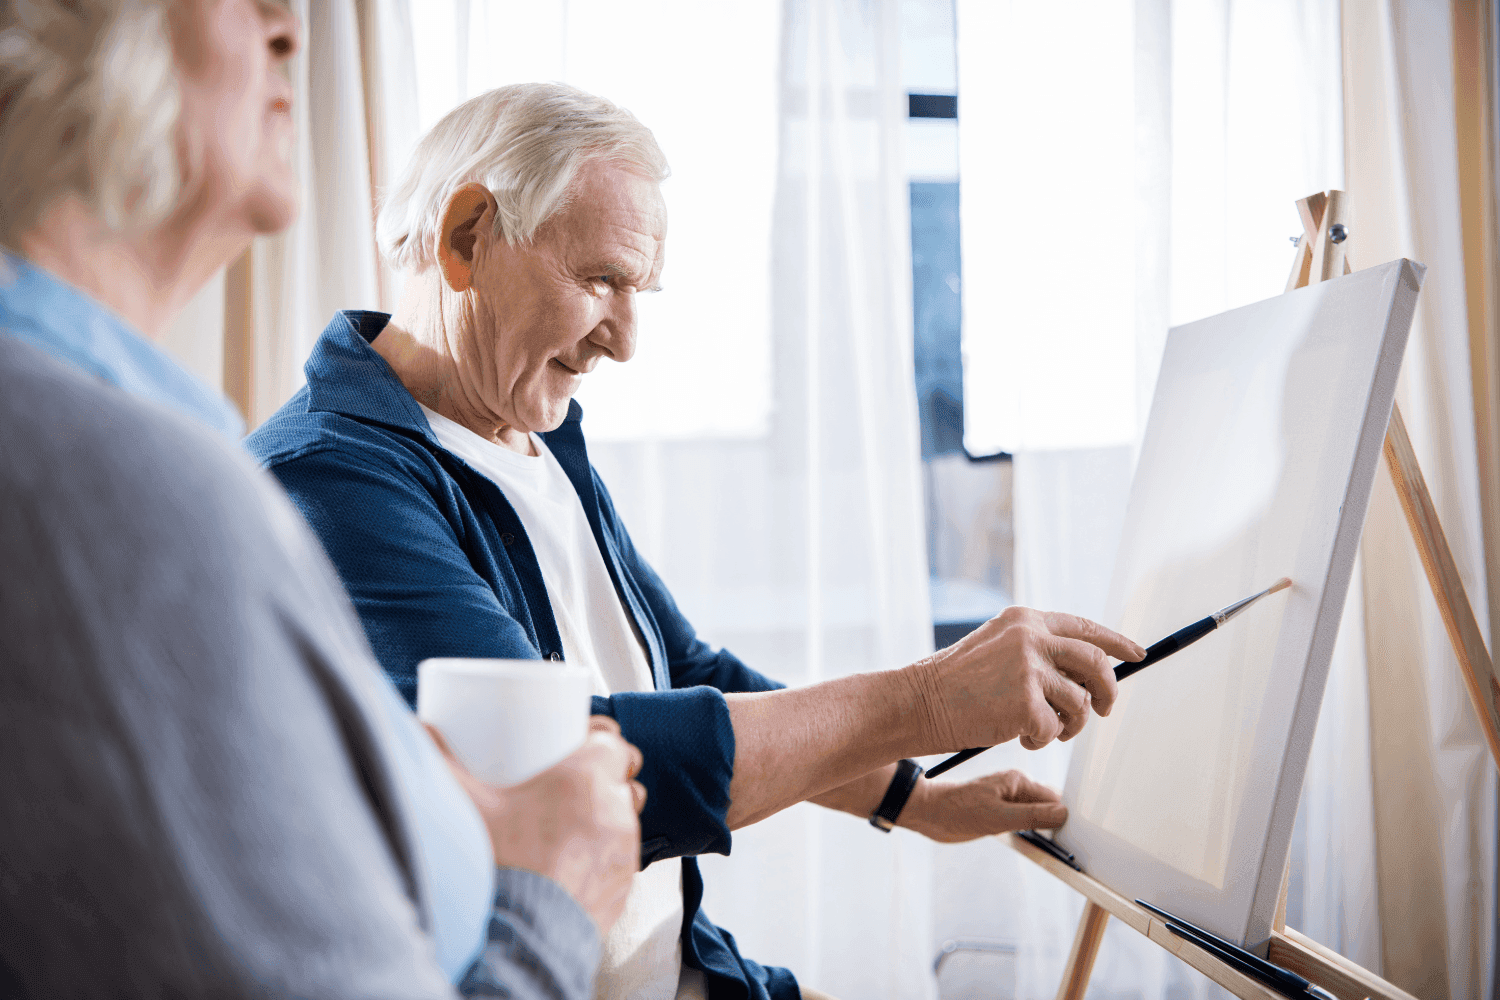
pixel 1159 651
pixel 1155 653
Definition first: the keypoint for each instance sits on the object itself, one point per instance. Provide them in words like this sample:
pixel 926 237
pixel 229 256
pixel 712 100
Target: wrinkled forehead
pixel 616 212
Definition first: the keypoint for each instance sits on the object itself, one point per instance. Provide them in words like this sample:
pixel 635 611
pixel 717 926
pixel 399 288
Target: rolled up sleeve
pixel 688 745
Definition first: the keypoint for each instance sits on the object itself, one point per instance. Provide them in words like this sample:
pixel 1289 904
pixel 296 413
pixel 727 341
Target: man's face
pixel 235 129
pixel 545 313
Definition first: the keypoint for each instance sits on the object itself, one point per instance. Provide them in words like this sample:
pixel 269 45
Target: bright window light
pixel 1260 127
pixel 1046 157
pixel 434 30
pixel 1051 207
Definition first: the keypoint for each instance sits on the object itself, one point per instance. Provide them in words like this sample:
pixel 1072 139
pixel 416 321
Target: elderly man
pixel 440 458
pixel 211 789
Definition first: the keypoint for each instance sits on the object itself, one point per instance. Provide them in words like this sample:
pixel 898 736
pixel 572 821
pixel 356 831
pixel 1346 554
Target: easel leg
pixel 1278 923
pixel 1442 573
pixel 1085 949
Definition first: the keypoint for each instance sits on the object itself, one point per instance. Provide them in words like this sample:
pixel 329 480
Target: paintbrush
pixel 1156 652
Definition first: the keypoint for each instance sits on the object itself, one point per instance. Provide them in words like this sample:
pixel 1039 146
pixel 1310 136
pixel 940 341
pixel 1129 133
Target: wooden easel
pixel 1321 255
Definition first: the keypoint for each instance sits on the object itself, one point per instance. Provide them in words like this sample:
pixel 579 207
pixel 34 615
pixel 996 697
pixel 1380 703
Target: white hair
pixel 89 104
pixel 525 143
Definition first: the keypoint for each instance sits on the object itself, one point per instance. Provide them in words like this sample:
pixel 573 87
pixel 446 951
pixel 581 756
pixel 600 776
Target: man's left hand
pixel 952 811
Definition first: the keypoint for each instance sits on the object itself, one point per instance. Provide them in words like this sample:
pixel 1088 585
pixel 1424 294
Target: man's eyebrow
pixel 620 269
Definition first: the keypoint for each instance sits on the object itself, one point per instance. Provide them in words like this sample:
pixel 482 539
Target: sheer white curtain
pixel 326 261
pixel 1435 781
pixel 1235 112
pixel 762 446
pixel 802 549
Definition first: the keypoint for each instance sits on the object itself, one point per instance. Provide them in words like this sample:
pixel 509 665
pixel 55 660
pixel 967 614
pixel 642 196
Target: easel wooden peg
pixel 1322 253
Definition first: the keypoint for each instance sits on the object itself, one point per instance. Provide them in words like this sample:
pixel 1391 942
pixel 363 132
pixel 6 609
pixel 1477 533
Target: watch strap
pixel 899 790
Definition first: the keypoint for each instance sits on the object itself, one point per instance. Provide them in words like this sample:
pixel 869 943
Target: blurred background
pixel 923 257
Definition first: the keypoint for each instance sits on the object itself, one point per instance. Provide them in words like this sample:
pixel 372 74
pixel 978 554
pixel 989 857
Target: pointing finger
pixel 1112 642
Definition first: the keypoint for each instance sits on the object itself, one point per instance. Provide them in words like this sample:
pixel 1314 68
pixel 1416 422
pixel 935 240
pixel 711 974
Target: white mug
pixel 506 720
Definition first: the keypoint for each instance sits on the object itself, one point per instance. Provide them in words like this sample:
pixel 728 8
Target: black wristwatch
pixel 907 773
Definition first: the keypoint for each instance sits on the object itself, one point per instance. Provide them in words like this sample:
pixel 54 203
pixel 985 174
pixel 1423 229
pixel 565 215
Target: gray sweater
pixel 195 799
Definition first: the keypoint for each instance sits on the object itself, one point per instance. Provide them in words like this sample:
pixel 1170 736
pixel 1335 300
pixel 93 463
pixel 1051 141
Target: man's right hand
pixel 576 823
pixel 1026 674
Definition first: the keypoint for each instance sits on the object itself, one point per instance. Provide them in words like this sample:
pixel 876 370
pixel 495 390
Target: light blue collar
pixel 47 313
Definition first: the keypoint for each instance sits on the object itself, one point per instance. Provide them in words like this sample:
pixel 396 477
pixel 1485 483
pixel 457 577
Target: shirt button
pixel 507 539
pixel 555 657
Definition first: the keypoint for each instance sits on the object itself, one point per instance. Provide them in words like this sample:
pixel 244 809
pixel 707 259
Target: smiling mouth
pixel 570 371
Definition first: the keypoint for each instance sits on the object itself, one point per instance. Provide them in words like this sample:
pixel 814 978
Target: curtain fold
pixel 1392 859
pixel 1475 99
pixel 1434 779
pixel 326 260
pixel 389 75
pixel 803 551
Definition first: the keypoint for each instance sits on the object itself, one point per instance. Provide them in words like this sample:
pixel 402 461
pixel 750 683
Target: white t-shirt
pixel 643 951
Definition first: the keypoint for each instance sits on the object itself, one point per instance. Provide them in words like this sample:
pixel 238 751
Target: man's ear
pixel 469 215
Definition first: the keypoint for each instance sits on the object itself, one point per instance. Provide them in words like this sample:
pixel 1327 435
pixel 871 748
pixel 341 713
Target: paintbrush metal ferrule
pixel 1223 615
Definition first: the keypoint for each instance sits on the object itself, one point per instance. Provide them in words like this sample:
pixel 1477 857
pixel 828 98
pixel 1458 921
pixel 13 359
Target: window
pixel 969 533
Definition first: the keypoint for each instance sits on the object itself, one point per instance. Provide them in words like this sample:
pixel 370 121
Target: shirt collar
pixel 345 375
pixel 42 310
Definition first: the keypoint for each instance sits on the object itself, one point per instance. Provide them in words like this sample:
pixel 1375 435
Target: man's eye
pixel 614 283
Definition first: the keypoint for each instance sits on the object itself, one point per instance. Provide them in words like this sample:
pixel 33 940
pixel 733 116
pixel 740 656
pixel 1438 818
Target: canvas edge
pixel 1288 794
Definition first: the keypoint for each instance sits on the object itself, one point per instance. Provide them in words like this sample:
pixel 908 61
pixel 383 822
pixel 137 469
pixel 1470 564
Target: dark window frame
pixel 934 352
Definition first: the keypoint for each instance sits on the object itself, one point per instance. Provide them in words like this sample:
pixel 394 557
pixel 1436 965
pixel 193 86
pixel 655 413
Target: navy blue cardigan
pixel 438 564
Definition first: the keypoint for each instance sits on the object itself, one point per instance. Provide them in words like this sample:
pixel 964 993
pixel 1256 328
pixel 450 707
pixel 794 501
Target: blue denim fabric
pixel 438 564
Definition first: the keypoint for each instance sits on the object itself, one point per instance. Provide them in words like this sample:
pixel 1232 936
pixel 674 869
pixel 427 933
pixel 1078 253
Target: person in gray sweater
pixel 211 789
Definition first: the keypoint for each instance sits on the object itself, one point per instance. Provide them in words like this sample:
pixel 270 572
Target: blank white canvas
pixel 1257 462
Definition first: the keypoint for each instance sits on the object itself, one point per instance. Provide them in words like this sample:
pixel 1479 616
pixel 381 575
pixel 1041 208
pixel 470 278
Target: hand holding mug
pixel 576 823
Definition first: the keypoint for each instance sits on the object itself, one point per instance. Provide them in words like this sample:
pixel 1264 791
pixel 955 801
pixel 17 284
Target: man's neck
pixel 418 343
pixel 145 277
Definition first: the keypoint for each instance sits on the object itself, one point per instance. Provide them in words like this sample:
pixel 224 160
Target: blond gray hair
pixel 89 104
pixel 524 142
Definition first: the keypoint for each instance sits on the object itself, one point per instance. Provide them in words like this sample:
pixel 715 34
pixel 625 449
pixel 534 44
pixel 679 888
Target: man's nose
pixel 616 332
